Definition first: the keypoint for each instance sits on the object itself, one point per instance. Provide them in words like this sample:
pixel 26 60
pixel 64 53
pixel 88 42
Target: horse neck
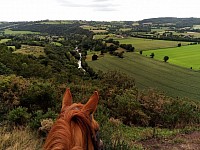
pixel 70 132
pixel 81 134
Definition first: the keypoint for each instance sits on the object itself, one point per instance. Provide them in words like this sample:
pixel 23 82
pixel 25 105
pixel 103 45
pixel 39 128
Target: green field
pixel 186 56
pixel 56 43
pixel 194 34
pixel 173 80
pixel 94 29
pixel 196 26
pixel 57 22
pixel 102 36
pixel 4 40
pixel 147 44
pixel 8 31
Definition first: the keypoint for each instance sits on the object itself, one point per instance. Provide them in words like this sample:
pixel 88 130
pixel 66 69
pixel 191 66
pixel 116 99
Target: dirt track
pixel 179 142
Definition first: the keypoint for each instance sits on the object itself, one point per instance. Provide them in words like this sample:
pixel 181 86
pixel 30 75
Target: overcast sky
pixel 96 10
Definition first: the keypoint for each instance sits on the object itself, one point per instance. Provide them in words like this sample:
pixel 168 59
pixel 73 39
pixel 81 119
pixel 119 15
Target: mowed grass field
pixel 149 73
pixel 148 44
pixel 4 40
pixel 186 56
pixel 8 31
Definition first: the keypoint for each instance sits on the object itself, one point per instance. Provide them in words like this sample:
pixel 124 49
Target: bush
pixel 180 113
pixel 109 132
pixel 128 109
pixel 40 96
pixel 169 112
pixel 4 69
pixel 39 115
pixel 11 90
pixel 19 116
pixel 94 57
pixel 166 58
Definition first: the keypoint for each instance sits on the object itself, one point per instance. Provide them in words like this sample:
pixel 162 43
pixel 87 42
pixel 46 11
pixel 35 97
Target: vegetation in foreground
pixel 27 100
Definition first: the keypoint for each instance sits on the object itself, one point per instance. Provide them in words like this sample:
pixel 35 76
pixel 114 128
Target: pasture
pixel 193 34
pixel 94 29
pixel 196 26
pixel 147 44
pixel 31 50
pixel 4 40
pixel 185 56
pixel 57 22
pixel 149 73
pixel 103 36
pixel 56 43
pixel 11 32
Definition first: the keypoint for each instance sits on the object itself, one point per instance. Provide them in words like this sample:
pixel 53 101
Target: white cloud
pixel 19 10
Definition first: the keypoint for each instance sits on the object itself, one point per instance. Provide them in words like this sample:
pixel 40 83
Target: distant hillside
pixel 51 29
pixel 172 20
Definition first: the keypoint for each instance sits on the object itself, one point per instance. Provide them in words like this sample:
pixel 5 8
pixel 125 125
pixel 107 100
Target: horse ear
pixel 67 99
pixel 91 106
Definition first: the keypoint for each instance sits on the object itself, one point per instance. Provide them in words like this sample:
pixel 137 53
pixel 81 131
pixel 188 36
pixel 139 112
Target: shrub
pixel 129 110
pixel 152 55
pixel 19 116
pixel 39 115
pixel 169 112
pixel 166 58
pixel 40 96
pixel 109 132
pixel 4 69
pixel 180 113
pixel 11 90
pixel 152 105
pixel 46 125
pixel 94 57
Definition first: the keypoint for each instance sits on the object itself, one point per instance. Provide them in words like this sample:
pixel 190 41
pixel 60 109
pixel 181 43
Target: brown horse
pixel 75 128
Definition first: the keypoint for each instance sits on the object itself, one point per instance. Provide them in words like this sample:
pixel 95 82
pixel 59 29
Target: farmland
pixel 148 73
pixel 186 56
pixel 4 40
pixel 8 31
pixel 147 44
pixel 31 50
pixel 94 29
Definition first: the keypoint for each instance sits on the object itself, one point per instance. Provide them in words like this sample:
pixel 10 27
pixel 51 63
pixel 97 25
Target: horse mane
pixel 71 119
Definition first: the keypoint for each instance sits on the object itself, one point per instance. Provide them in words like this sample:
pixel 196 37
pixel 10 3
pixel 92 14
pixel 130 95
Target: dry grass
pixel 19 139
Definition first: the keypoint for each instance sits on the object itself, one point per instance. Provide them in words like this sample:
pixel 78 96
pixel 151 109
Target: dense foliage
pixel 53 29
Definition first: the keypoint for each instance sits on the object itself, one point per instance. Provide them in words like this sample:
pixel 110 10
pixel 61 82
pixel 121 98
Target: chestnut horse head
pixel 75 128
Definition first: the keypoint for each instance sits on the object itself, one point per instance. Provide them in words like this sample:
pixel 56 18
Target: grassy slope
pixel 19 139
pixel 175 81
pixel 187 56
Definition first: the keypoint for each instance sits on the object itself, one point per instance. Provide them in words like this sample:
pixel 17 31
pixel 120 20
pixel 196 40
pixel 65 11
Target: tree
pixel 166 58
pixel 120 55
pixel 152 55
pixel 94 57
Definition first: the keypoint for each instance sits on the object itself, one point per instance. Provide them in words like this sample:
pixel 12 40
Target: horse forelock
pixel 62 135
